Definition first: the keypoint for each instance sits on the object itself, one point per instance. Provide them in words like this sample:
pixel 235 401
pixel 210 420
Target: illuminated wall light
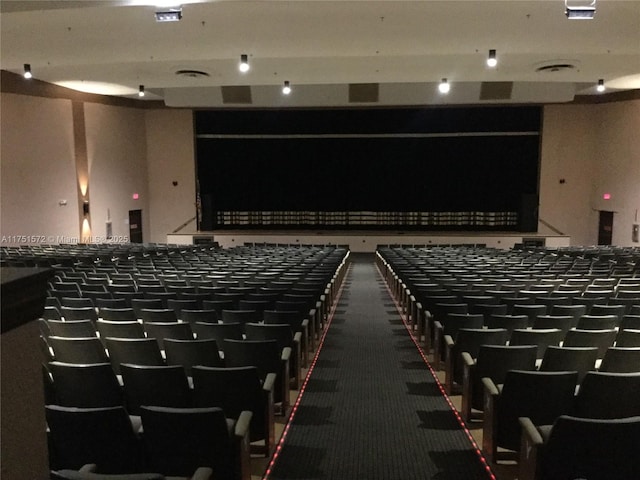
pixel 286 89
pixel 244 63
pixel 86 231
pixel 600 87
pixel 135 196
pixel 141 91
pixel 492 61
pixel 444 86
pixel 606 196
pixel 27 71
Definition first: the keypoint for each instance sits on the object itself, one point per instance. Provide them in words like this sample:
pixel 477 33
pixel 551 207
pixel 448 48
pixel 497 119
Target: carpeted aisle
pixel 371 408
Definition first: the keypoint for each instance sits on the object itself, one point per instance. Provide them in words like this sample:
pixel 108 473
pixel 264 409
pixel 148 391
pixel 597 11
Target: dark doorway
pixel 605 228
pixel 135 226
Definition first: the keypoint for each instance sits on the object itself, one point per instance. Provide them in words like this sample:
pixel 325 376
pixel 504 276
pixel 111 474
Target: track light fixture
pixel 600 87
pixel 492 61
pixel 27 71
pixel 141 91
pixel 580 10
pixel 444 86
pixel 286 89
pixel 244 63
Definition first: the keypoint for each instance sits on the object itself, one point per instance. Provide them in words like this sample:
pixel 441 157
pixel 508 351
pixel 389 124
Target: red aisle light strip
pixel 292 415
pixel 481 457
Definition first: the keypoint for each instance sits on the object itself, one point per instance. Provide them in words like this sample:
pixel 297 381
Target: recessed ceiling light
pixel 171 15
pixel 244 63
pixel 580 10
pixel 492 61
pixel 444 86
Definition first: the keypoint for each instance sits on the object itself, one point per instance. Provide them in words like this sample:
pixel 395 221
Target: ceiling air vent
pixel 236 94
pixel 554 67
pixel 192 73
pixel 363 92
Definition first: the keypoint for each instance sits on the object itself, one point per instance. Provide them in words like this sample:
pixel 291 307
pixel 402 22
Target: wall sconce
pixel 85 208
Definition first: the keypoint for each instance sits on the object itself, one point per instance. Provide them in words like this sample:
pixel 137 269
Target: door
pixel 135 226
pixel 605 228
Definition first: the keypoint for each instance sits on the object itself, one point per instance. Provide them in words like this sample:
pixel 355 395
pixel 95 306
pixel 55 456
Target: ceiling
pixel 332 52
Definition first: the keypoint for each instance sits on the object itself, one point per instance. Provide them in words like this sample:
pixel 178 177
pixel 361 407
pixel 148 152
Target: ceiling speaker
pixel 236 94
pixel 363 92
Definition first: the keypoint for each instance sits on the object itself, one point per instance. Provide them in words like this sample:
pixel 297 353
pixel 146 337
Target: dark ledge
pixel 23 295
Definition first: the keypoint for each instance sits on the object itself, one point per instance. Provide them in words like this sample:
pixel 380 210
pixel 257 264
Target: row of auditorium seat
pixel 92 285
pixel 530 397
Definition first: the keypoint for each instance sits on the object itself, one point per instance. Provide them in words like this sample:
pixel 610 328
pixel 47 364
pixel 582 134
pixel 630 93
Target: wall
pixel 116 148
pixel 618 166
pixel 37 170
pixel 170 158
pixel 595 149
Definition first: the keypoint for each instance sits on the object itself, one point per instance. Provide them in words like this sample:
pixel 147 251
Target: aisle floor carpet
pixel 371 408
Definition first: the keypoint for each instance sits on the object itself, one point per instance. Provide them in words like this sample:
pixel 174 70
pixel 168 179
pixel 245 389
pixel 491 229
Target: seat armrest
pixel 297 360
pixel 269 382
pixel 285 365
pixel 241 434
pixel 267 390
pixel 286 354
pixel 203 473
pixel 88 468
pixel 490 425
pixel 448 363
pixel 313 317
pixel 468 373
pixel 530 444
pixel 242 425
pixel 307 342
pixel 437 343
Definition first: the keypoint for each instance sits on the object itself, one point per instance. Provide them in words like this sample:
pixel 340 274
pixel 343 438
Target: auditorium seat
pixel 268 357
pixel 178 441
pixel 236 389
pixel 602 339
pixel 136 351
pixel 542 338
pixel 621 360
pixel 608 395
pixel 77 350
pixel 467 340
pixel 89 385
pixel 101 436
pixel 541 396
pixel 583 448
pixel 188 353
pixel 157 385
pixel 71 329
pixel 492 361
pixel 562 359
